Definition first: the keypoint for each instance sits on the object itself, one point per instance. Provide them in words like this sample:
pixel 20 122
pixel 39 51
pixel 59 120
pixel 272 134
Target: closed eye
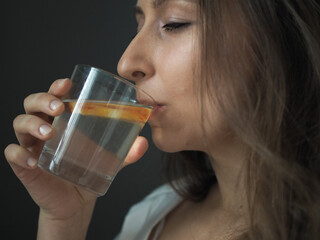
pixel 175 26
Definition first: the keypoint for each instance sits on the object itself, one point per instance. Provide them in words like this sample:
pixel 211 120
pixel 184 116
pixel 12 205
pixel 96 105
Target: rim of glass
pixel 126 81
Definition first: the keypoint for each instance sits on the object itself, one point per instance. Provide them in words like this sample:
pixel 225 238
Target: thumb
pixel 137 150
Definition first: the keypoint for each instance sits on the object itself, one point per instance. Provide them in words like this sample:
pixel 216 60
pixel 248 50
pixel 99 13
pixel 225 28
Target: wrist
pixel 74 227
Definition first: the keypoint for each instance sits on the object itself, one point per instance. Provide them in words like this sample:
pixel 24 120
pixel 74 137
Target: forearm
pixel 73 228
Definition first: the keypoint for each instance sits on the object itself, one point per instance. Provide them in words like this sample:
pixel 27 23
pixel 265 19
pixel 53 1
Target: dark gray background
pixel 42 41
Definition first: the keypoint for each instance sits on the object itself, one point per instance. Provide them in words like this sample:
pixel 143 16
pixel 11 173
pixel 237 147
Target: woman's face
pixel 162 59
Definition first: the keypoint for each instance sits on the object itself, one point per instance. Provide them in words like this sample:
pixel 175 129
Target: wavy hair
pixel 268 52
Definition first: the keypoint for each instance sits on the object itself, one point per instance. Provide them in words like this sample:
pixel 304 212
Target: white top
pixel 143 216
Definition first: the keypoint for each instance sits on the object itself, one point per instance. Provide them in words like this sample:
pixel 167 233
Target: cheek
pixel 178 127
pixel 176 70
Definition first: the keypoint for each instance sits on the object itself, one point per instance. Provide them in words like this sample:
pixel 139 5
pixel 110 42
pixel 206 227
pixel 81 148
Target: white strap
pixel 159 229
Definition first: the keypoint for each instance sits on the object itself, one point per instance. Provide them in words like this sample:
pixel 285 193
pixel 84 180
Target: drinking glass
pixel 103 115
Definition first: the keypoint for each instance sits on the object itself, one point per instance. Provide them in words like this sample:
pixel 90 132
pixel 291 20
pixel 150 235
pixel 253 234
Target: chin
pixel 170 142
pixel 165 143
pixel 164 146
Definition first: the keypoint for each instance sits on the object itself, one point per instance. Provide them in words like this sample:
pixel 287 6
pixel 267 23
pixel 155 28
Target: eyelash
pixel 169 27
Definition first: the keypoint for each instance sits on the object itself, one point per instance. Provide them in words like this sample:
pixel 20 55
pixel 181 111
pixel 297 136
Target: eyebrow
pixel 158 3
pixel 155 4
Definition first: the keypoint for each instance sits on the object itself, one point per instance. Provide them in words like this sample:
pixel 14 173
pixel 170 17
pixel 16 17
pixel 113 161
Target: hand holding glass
pixel 103 116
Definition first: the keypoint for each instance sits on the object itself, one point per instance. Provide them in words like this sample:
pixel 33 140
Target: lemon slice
pixel 110 110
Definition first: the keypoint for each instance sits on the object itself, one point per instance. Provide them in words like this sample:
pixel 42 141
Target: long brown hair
pixel 268 52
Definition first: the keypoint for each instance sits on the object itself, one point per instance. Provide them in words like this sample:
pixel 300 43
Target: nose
pixel 136 62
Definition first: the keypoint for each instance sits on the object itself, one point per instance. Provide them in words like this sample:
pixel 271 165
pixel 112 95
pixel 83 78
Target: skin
pixel 64 208
pixel 164 63
pixel 162 59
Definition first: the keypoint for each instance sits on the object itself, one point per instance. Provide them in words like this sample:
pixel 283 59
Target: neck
pixel 229 167
pixel 231 189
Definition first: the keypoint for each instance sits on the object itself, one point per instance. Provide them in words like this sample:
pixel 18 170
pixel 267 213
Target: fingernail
pixel 61 81
pixel 55 104
pixel 31 162
pixel 45 129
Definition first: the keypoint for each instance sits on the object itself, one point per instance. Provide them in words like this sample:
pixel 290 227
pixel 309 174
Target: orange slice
pixel 110 110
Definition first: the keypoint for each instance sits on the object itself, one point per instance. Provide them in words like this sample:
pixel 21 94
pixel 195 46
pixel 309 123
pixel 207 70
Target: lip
pixel 156 107
pixel 155 111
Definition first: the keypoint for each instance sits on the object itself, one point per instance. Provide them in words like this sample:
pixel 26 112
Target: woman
pixel 237 84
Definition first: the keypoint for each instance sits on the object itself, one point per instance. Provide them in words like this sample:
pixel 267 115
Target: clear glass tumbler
pixel 103 115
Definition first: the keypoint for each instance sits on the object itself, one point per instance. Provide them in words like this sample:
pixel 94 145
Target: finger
pixel 19 156
pixel 138 149
pixel 48 103
pixel 29 128
pixel 60 87
pixel 43 102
